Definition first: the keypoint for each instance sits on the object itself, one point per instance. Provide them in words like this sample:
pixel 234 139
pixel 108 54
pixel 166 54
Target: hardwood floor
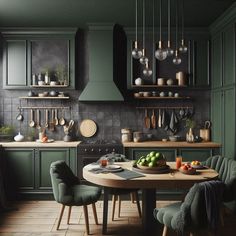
pixel 40 218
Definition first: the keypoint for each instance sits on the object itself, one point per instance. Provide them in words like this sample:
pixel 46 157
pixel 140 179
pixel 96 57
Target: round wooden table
pixel 149 183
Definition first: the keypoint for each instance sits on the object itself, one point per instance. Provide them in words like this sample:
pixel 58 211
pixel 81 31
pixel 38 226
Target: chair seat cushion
pixel 165 215
pixel 85 194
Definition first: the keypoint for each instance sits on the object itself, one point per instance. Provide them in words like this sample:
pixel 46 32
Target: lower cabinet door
pixel 19 171
pixel 44 159
pixel 136 153
pixel 195 154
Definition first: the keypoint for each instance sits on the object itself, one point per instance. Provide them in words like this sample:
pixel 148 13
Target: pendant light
pixel 160 54
pixel 170 51
pixel 136 52
pixel 183 48
pixel 143 60
pixel 147 71
pixel 176 59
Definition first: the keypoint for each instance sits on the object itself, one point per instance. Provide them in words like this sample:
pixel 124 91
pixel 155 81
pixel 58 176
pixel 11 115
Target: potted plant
pixel 6 133
pixel 190 124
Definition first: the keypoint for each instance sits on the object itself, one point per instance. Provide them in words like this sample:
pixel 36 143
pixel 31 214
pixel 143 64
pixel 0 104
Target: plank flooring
pixel 39 218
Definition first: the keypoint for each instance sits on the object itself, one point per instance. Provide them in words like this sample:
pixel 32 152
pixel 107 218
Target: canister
pixel 126 135
pixel 138 136
pixel 180 76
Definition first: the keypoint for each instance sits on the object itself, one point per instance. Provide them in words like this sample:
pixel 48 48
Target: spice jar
pixel 138 136
pixel 126 135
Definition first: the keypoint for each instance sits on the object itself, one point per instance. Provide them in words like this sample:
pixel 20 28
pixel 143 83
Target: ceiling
pixel 77 13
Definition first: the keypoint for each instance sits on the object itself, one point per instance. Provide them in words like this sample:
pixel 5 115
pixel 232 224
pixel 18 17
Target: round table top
pixel 174 179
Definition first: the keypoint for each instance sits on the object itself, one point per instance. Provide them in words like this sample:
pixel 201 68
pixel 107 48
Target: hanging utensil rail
pixel 162 107
pixel 43 107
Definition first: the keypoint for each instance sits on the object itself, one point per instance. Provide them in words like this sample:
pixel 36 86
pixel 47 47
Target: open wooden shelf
pixel 49 86
pixel 164 98
pixel 53 98
pixel 158 86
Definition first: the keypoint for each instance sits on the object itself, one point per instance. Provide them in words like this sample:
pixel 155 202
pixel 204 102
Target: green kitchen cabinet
pixel 135 153
pixel 23 57
pixel 15 63
pixel 200 154
pixel 28 169
pixel 223 120
pixel 20 163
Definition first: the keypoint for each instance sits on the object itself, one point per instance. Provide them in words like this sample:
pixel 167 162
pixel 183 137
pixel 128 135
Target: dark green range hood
pixel 101 86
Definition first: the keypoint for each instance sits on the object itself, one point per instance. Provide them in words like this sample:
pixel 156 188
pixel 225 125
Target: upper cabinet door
pixel 216 56
pixel 15 64
pixel 229 55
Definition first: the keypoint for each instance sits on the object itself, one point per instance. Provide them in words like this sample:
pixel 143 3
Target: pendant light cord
pixel 136 20
pixel 169 20
pixel 160 17
pixel 182 11
pixel 176 24
pixel 143 24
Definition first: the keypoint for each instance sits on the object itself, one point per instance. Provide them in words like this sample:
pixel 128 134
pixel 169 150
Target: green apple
pixel 154 159
pixel 158 154
pixel 152 154
pixel 151 164
pixel 148 158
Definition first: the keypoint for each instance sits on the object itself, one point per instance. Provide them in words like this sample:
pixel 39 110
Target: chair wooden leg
pixel 138 203
pixel 86 218
pixel 60 216
pixel 69 213
pixel 164 233
pixel 132 197
pixel 119 207
pixel 95 213
pixel 114 197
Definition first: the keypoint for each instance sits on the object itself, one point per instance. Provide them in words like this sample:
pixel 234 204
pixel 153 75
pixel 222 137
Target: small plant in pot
pixel 190 124
pixel 6 133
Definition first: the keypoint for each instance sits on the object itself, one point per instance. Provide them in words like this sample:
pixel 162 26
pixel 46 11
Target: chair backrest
pixel 226 168
pixel 60 172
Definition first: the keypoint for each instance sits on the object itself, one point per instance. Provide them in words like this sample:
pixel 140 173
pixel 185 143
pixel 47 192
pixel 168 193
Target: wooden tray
pixel 152 170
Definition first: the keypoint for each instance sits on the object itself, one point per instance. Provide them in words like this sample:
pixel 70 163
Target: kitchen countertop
pixel 37 144
pixel 172 144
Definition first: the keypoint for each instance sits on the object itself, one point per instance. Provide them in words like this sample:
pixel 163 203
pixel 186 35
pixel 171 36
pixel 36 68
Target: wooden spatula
pixel 147 121
pixel 153 120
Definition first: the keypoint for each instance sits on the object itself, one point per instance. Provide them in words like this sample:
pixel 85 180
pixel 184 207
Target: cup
pixel 178 161
pixel 103 162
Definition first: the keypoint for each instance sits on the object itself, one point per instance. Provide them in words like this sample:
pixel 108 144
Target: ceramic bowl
pixel 40 82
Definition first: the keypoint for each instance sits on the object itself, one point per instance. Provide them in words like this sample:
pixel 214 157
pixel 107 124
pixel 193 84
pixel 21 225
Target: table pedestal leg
pixel 105 210
pixel 148 205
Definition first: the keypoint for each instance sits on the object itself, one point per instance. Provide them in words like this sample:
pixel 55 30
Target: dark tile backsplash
pixel 110 117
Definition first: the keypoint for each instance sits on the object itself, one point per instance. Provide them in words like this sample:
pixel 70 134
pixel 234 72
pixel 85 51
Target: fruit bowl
pixel 197 165
pixel 160 167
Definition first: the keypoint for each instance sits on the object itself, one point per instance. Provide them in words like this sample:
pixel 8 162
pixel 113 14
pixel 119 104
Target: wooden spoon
pixel 56 118
pixel 153 120
pixel 31 123
pixel 52 122
pixel 147 121
pixel 62 120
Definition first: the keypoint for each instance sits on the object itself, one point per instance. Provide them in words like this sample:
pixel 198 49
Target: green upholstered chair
pixel 69 192
pixel 226 168
pixel 189 216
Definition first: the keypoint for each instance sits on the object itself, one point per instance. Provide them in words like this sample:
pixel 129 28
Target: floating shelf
pixel 49 86
pixel 158 86
pixel 164 98
pixel 53 98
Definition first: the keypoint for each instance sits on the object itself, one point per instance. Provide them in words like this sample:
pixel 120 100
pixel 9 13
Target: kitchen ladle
pixel 31 123
pixel 38 126
pixel 56 118
pixel 46 118
pixel 52 122
pixel 62 120
pixel 20 117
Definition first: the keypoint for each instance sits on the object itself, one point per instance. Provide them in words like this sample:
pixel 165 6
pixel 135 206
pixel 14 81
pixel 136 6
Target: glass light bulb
pixel 137 53
pixel 170 52
pixel 183 48
pixel 161 54
pixel 147 72
pixel 177 60
pixel 143 60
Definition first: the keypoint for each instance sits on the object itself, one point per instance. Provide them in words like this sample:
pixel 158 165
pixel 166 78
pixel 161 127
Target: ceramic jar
pixel 170 82
pixel 19 137
pixel 138 81
pixel 138 136
pixel 126 135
